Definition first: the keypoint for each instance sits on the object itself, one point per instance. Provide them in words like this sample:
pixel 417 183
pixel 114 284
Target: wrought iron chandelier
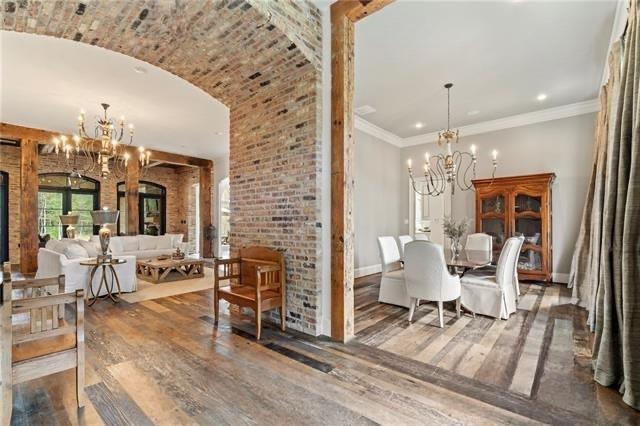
pixel 445 169
pixel 104 152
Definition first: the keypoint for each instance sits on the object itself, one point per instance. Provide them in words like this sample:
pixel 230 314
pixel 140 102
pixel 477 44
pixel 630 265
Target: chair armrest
pixel 230 269
pixel 268 268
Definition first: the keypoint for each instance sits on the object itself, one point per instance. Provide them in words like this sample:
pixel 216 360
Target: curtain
pixel 605 272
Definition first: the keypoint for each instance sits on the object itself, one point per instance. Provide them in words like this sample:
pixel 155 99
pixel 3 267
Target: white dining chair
pixel 421 237
pixel 480 242
pixel 392 286
pixel 427 277
pixel 493 295
pixel 403 240
pixel 491 270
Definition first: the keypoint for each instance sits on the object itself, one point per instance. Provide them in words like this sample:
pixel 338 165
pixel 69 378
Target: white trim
pixel 619 24
pixel 525 119
pixel 368 270
pixel 540 116
pixel 378 132
pixel 558 277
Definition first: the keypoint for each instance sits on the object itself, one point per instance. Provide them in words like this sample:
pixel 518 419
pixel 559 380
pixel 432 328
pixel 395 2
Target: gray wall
pixel 563 146
pixel 379 195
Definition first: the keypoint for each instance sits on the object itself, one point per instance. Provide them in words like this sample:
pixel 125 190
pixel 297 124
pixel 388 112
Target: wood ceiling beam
pixel 13 131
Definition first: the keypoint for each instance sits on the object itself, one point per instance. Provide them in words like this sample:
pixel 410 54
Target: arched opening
pixel 152 209
pixel 57 195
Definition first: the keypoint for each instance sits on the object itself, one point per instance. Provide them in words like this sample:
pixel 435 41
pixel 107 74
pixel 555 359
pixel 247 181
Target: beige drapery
pixel 605 272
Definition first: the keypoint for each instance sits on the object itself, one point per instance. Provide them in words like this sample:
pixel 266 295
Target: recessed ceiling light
pixel 474 112
pixel 218 133
pixel 541 97
pixel 419 125
pixel 140 70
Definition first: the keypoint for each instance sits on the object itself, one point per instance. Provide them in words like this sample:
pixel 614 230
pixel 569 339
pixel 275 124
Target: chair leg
pixel 458 307
pixel 258 324
pixel 216 303
pixel 441 314
pixel 283 318
pixel 412 308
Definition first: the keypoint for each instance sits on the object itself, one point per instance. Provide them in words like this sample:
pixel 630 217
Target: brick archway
pixel 261 59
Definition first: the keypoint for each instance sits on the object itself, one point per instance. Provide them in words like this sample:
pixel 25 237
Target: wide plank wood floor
pixel 542 353
pixel 164 362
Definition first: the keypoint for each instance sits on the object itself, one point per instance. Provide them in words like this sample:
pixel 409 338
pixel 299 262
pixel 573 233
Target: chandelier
pixel 103 153
pixel 453 168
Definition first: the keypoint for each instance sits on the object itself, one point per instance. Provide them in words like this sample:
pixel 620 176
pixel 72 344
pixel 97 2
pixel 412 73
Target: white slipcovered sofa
pixel 63 257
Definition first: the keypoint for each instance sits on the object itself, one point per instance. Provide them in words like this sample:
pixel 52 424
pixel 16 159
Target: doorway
pixel 224 218
pixel 427 212
pixel 152 202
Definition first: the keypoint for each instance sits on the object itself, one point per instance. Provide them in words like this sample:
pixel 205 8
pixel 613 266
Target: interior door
pixel 427 212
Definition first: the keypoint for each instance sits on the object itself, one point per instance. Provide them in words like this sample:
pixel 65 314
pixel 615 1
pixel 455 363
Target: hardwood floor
pixel 164 362
pixel 542 353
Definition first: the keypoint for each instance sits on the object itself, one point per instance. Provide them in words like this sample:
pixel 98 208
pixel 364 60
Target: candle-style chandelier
pixel 445 169
pixel 104 152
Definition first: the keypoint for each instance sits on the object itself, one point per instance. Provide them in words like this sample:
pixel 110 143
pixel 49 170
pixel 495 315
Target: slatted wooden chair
pixel 256 280
pixel 47 344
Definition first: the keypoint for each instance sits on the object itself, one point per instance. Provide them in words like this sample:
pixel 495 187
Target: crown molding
pixel 378 132
pixel 534 117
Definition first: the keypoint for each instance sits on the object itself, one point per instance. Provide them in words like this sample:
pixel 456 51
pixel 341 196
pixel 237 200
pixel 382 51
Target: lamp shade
pixel 104 216
pixel 69 219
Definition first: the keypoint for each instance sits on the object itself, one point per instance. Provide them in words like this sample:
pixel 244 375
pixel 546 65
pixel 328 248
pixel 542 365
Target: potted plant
pixel 454 231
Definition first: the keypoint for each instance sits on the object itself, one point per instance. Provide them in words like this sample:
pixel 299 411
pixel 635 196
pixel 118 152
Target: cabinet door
pixel 492 218
pixel 528 221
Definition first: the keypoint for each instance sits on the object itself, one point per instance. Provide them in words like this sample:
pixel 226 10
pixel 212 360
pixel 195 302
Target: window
pixel 4 217
pixel 152 201
pixel 56 197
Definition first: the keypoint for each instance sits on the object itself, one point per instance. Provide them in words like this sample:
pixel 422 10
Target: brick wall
pixel 10 163
pixel 260 58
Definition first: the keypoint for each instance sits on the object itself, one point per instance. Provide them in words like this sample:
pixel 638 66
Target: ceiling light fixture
pixel 455 168
pixel 140 70
pixel 541 97
pixel 419 125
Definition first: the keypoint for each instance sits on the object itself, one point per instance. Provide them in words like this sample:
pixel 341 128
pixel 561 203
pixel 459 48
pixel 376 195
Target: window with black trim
pixel 152 210
pixel 58 195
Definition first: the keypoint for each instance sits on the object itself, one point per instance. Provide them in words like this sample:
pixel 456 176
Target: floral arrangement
pixel 455 230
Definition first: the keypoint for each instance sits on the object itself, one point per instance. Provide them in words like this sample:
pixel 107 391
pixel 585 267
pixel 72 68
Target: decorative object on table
pixel 163 257
pixel 69 220
pixel 105 265
pixel 179 254
pixel 101 152
pixel 532 220
pixel 455 168
pixel 104 218
pixel 454 231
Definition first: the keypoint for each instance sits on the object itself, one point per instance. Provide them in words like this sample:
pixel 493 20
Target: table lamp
pixel 103 218
pixel 69 220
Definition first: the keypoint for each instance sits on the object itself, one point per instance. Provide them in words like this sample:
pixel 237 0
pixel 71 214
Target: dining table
pixel 466 260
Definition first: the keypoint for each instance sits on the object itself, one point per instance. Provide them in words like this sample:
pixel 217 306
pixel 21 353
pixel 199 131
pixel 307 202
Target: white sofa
pixel 142 246
pixel 63 257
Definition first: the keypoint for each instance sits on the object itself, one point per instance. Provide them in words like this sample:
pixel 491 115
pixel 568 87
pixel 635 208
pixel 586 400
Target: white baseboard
pixel 558 277
pixel 367 270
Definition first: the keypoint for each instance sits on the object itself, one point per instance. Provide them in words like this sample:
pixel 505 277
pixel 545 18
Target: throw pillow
pixel 176 240
pixel 130 244
pixel 75 251
pixel 92 250
pixel 164 242
pixel 115 245
pixel 147 242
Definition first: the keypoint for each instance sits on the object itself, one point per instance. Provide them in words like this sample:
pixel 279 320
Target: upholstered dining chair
pixel 422 237
pixel 491 270
pixel 427 277
pixel 392 287
pixel 403 240
pixel 494 295
pixel 480 242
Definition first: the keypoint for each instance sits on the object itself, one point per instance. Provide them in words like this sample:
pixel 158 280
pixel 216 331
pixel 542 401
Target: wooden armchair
pixel 256 281
pixel 47 344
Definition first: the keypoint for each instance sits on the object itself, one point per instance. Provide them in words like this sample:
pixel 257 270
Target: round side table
pixel 106 265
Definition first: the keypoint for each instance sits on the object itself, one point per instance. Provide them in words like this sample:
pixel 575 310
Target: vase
pixel 456 247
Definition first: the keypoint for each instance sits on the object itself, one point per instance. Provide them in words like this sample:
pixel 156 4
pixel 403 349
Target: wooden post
pixel 132 184
pixel 344 14
pixel 206 216
pixel 28 206
pixel 6 342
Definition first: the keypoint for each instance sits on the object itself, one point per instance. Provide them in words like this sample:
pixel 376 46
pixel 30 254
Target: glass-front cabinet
pixel 518 206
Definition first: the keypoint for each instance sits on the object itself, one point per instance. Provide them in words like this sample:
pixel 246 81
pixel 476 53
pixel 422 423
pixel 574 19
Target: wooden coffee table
pixel 160 271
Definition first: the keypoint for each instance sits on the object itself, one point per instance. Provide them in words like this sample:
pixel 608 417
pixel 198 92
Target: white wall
pixel 561 146
pixel 220 171
pixel 379 193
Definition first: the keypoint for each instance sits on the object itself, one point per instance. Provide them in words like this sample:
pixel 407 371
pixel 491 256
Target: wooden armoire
pixel 518 205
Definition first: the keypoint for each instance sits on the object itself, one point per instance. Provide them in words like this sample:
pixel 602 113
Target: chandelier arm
pixel 460 158
pixel 413 184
